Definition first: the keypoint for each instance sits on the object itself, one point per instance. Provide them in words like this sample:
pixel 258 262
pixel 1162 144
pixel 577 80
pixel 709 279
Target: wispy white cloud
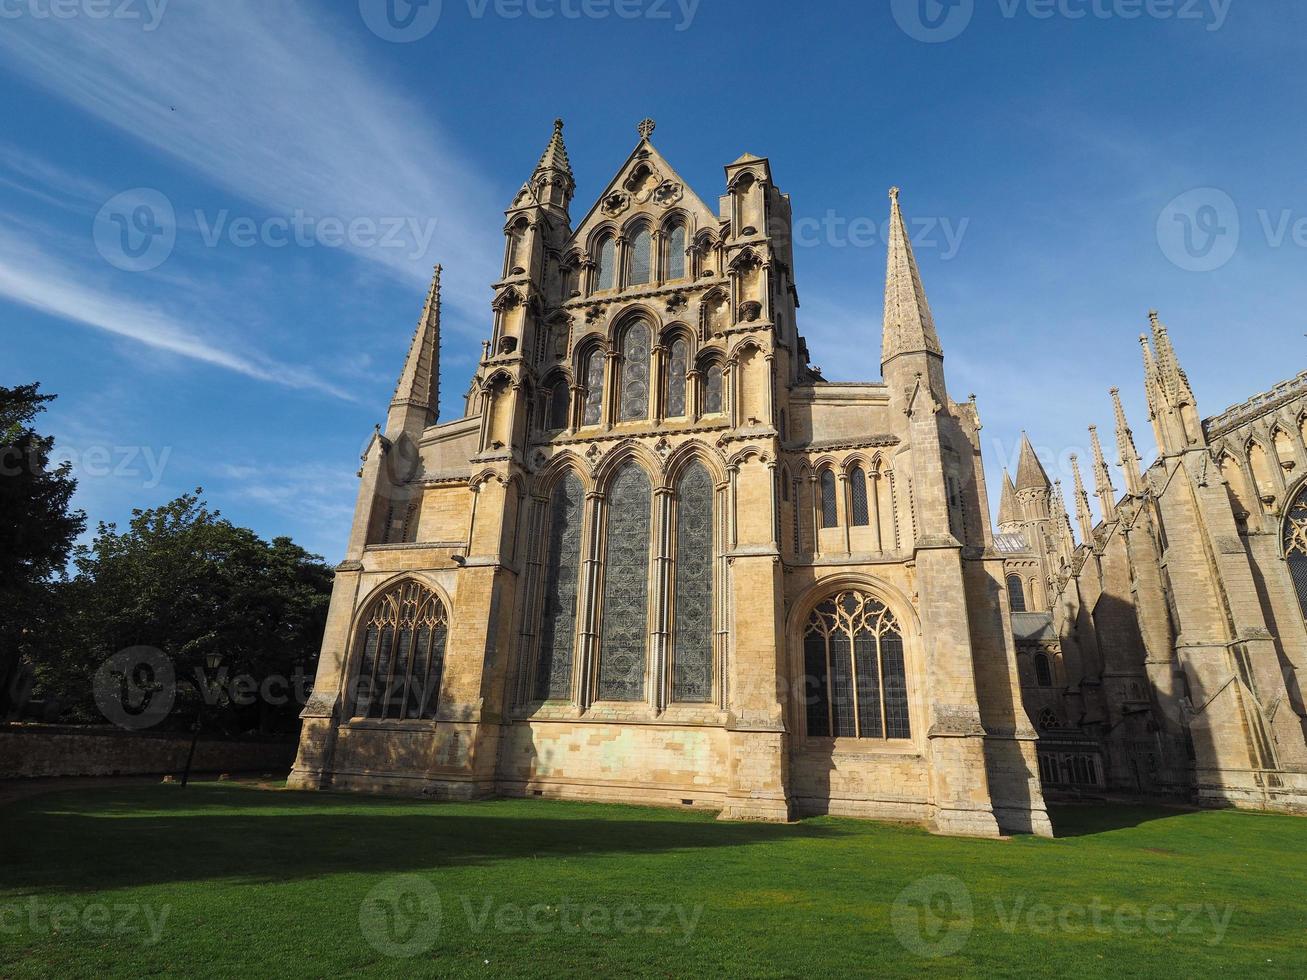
pixel 40 281
pixel 268 102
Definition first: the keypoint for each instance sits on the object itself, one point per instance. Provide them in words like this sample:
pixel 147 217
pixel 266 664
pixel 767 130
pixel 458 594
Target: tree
pixel 37 530
pixel 187 581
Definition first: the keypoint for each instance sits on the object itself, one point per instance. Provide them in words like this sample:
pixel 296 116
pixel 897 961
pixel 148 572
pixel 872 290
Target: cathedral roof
pixel 1030 471
pixel 909 326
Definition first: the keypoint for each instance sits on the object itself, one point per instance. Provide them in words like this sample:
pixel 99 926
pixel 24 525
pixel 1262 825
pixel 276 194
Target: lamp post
pixel 212 661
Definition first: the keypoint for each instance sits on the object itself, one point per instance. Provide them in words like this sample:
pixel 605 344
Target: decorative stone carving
pixel 615 204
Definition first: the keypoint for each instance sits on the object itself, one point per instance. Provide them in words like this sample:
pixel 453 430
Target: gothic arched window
pixel 693 651
pixel 675 265
pixel 1016 594
pixel 678 366
pixel 829 512
pixel 562 573
pixel 858 497
pixel 560 402
pixel 1048 721
pixel 712 390
pixel 635 372
pixel 1295 546
pixel 401 654
pixel 1043 670
pixel 641 268
pixel 594 388
pixel 855 674
pixel 606 263
pixel 624 643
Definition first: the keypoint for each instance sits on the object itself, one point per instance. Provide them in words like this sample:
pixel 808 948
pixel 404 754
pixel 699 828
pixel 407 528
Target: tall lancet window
pixel 560 404
pixel 1295 546
pixel 829 511
pixel 712 390
pixel 401 654
pixel 1016 594
pixel 635 372
pixel 858 497
pixel 594 388
pixel 625 626
pixel 641 257
pixel 675 252
pixel 562 573
pixel 606 263
pixel 855 674
pixel 678 366
pixel 692 658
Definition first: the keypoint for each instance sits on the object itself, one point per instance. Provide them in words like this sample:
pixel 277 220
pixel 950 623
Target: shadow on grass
pixel 1090 819
pixel 221 833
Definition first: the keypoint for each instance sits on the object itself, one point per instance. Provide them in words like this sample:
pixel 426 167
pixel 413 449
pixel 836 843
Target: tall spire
pixel 416 404
pixel 1173 379
pixel 1083 515
pixel 1128 455
pixel 1152 381
pixel 908 327
pixel 1009 510
pixel 555 155
pixel 1030 472
pixel 1103 488
pixel 1065 541
pixel 552 183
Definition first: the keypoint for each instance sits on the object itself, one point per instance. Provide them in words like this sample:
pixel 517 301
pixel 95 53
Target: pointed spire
pixel 555 155
pixel 1152 382
pixel 1084 517
pixel 1103 489
pixel 908 326
pixel 1009 510
pixel 1173 379
pixel 1127 454
pixel 419 383
pixel 1030 471
pixel 1065 540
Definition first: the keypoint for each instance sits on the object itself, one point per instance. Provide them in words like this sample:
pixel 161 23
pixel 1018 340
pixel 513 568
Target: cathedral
pixel 660 559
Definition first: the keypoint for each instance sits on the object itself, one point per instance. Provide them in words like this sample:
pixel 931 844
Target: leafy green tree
pixel 37 530
pixel 187 581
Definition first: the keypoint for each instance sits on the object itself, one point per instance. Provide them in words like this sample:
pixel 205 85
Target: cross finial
pixel 646 128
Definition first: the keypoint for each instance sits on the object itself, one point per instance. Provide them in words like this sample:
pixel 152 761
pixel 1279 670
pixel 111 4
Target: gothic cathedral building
pixel 660 559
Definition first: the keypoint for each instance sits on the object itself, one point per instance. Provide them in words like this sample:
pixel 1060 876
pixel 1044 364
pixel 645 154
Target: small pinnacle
pixel 1093 428
pixel 1114 391
pixel 1143 338
pixel 893 193
pixel 558 125
pixel 646 128
pixel 1153 317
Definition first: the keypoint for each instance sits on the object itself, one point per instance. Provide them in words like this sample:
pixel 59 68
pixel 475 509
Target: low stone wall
pixel 32 751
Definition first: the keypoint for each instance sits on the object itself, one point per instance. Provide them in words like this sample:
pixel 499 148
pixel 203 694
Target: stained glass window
pixel 594 389
pixel 712 390
pixel 402 654
pixel 856 678
pixel 625 637
pixel 641 257
pixel 678 363
pixel 1016 594
pixel 798 527
pixel 1295 546
pixel 560 402
pixel 692 657
pixel 676 252
pixel 606 263
pixel 1043 672
pixel 635 372
pixel 829 511
pixel 858 493
pixel 562 573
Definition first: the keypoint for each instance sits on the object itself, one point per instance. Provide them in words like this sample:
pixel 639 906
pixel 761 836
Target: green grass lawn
pixel 227 880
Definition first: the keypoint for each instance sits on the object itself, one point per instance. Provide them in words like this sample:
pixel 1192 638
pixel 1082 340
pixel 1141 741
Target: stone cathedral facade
pixel 661 559
pixel 1165 654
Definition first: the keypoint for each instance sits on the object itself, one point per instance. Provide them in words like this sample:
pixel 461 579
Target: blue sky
pixel 305 172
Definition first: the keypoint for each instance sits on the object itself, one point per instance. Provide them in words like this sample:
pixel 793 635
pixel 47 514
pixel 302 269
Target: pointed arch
pixel 693 590
pixel 676 231
pixel 1016 593
pixel 1295 543
pixel 604 255
pixel 712 382
pixel 639 261
pixel 1259 462
pixel 1284 449
pixel 635 347
pixel 1241 499
pixel 590 361
pixel 827 485
pixel 561 586
pixel 399 652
